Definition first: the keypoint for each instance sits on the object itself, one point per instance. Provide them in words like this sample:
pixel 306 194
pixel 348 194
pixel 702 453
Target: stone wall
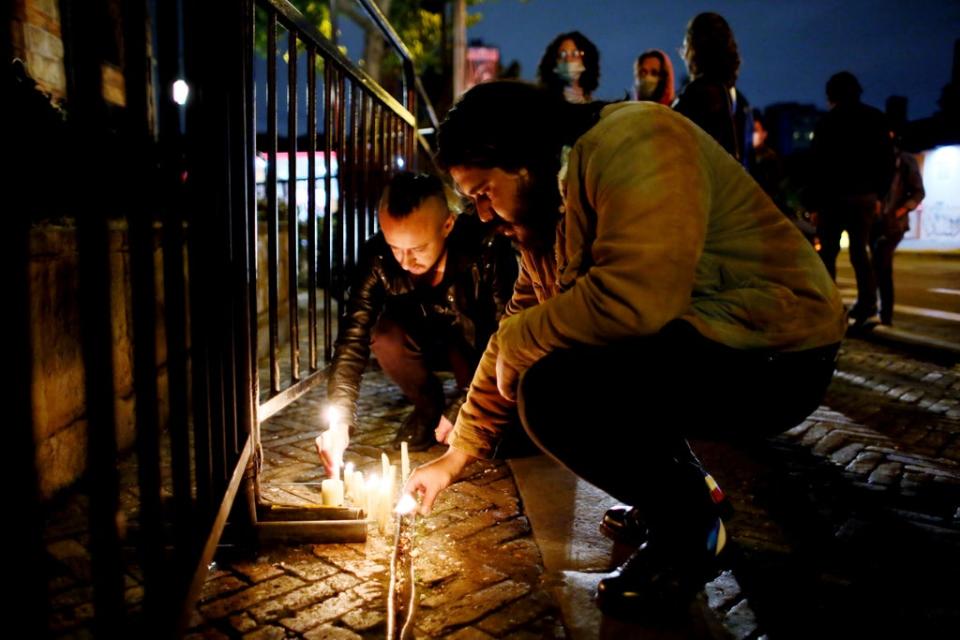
pixel 59 413
pixel 36 39
pixel 58 392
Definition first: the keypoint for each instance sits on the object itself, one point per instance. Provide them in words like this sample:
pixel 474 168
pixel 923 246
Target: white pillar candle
pixel 348 481
pixel 359 495
pixel 404 463
pixel 384 465
pixel 332 491
pixel 386 500
pixel 372 491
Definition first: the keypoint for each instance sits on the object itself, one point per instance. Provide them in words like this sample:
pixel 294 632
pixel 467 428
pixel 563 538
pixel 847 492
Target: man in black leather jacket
pixel 429 291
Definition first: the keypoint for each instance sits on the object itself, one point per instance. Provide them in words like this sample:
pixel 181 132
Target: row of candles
pixel 374 494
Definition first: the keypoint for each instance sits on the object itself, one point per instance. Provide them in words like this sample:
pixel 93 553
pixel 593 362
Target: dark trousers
pixel 618 415
pixel 883 244
pixel 856 215
pixel 410 357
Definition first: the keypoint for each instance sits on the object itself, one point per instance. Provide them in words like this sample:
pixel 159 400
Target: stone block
pixel 472 607
pixel 329 632
pixel 326 611
pixel 250 597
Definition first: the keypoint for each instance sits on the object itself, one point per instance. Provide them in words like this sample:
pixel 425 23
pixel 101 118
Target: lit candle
pixel 384 465
pixel 404 463
pixel 348 480
pixel 386 503
pixel 359 494
pixel 332 491
pixel 372 490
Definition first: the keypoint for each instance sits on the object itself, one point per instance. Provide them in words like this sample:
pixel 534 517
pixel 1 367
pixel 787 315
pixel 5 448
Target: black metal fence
pixel 183 183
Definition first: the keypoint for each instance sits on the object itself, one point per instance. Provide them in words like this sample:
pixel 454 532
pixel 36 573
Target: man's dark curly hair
pixel 843 87
pixel 591 62
pixel 712 49
pixel 407 190
pixel 511 125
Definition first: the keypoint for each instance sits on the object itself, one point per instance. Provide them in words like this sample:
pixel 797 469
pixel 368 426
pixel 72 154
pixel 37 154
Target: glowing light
pixel 181 91
pixel 333 414
pixel 405 505
pixel 400 162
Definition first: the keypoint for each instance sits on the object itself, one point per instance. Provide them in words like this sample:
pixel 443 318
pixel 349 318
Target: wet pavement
pixel 849 524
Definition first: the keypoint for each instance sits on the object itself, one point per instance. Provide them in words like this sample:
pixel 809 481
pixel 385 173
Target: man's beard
pixel 535 227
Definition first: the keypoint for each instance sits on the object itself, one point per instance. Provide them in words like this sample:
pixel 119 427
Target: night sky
pixel 788 49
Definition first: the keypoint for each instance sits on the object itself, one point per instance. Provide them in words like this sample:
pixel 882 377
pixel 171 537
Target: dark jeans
pixel 410 357
pixel 856 215
pixel 618 415
pixel 883 244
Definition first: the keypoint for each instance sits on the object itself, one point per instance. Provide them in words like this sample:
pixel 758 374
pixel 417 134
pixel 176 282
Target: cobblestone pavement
pixel 479 570
pixel 849 524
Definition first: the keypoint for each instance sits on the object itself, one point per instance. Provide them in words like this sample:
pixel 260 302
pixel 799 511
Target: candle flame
pixel 333 414
pixel 405 505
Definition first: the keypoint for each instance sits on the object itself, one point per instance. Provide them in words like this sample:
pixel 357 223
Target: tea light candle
pixel 348 481
pixel 332 491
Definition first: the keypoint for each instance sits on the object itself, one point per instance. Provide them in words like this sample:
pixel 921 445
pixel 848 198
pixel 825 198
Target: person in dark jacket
pixel 906 193
pixel 430 289
pixel 711 98
pixel 853 165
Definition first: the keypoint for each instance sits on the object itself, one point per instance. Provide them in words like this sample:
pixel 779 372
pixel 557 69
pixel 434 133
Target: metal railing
pixel 183 181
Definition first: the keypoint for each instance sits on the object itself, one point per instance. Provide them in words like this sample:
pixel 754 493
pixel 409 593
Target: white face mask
pixel 569 71
pixel 646 87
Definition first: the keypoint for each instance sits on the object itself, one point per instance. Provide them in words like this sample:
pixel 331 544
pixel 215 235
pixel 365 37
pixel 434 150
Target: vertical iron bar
pixel 363 211
pixel 350 215
pixel 327 240
pixel 95 332
pixel 174 285
pixel 143 302
pixel 273 232
pixel 293 221
pixel 312 204
pixel 343 164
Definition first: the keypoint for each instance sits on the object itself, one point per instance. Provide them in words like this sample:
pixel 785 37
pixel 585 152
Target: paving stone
pixel 472 607
pixel 250 597
pixel 266 633
pixel 283 606
pixel 517 614
pixel 478 577
pixel 243 622
pixel 216 588
pixel 830 442
pixel 722 591
pixel 365 620
pixel 865 462
pixel 887 473
pixel 257 571
pixel 329 609
pixel 329 632
pixel 468 633
pixel 845 454
pixel 741 620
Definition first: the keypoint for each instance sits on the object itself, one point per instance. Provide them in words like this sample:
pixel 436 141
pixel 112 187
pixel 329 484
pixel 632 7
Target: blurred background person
pixel 853 162
pixel 653 77
pixel 711 98
pixel 764 163
pixel 906 193
pixel 570 67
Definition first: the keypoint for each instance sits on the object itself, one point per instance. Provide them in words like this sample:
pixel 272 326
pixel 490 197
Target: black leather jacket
pixel 479 275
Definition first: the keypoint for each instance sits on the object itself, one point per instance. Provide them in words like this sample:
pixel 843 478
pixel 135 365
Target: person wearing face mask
pixel 570 67
pixel 653 77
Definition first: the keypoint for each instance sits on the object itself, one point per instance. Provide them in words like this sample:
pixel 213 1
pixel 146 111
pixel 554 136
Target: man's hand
pixel 330 445
pixel 507 378
pixel 442 432
pixel 435 476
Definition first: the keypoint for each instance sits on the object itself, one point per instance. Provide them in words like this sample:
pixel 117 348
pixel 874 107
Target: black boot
pixel 418 430
pixel 658 582
pixel 685 539
pixel 624 524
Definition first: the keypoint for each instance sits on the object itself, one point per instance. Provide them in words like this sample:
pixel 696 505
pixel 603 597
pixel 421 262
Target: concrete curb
pixel 892 335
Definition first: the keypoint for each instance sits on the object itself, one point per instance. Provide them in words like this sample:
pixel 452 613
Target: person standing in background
pixel 906 193
pixel 853 163
pixel 653 77
pixel 570 67
pixel 711 98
